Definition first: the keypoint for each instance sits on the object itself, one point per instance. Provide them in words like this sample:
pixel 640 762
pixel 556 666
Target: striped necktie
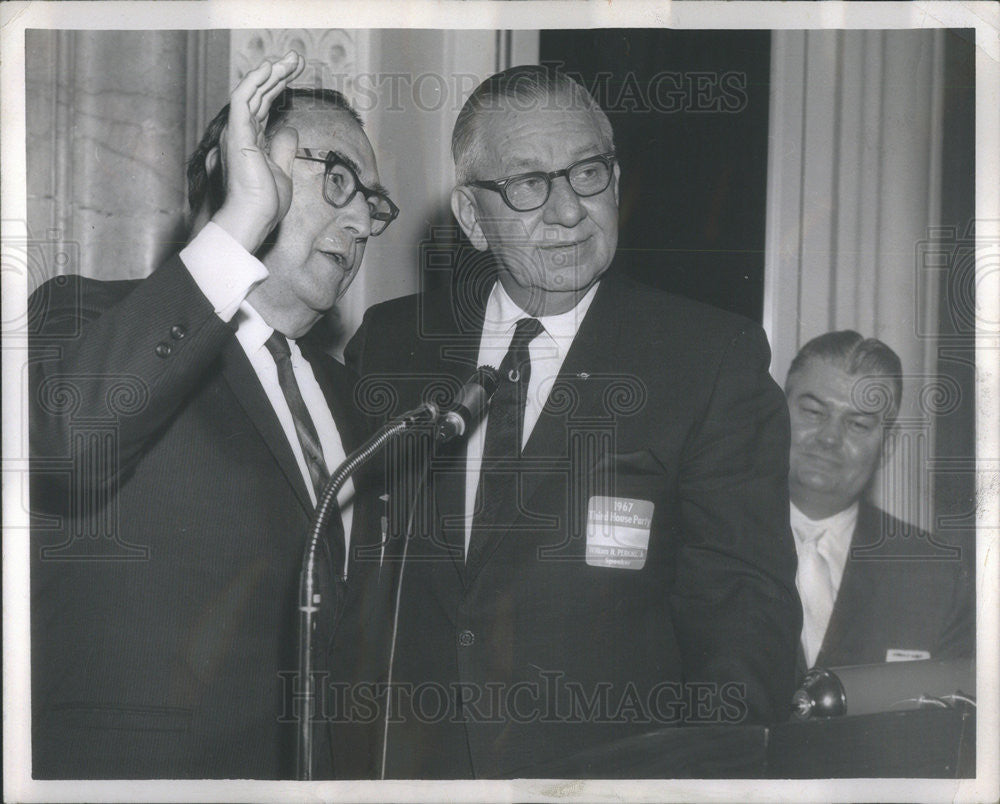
pixel 304 427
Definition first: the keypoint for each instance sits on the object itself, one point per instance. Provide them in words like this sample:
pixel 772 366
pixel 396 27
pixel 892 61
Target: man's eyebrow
pixel 586 151
pixel 377 186
pixel 345 159
pixel 523 165
pixel 812 398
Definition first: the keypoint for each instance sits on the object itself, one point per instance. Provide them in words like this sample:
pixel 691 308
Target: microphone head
pixel 489 378
pixel 470 404
pixel 820 695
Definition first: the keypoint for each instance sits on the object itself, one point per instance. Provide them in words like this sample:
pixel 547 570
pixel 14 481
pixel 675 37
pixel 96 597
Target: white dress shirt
pixel 830 538
pixel 547 353
pixel 226 272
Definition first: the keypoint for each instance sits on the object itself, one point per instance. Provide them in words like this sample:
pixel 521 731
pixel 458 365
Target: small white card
pixel 902 655
pixel 618 532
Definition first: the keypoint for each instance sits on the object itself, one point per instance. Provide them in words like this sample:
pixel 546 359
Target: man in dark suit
pixel 608 553
pixel 873 589
pixel 181 429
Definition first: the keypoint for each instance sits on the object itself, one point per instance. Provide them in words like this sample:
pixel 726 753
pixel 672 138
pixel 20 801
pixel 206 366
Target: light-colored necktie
pixel 815 585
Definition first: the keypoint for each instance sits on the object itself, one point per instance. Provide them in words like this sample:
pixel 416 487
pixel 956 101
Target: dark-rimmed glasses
pixel 341 184
pixel 529 191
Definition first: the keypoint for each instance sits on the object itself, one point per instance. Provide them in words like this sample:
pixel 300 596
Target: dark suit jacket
pixel 659 400
pixel 899 591
pixel 169 518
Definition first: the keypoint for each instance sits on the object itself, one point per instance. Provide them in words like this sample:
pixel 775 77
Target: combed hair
pixel 857 356
pixel 210 188
pixel 522 89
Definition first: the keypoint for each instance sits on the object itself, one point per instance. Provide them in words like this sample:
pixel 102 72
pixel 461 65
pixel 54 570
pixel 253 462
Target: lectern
pixel 927 731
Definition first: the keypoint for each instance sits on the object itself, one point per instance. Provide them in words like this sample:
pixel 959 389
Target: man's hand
pixel 258 181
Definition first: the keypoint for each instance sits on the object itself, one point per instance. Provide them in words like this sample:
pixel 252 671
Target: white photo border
pixel 984 17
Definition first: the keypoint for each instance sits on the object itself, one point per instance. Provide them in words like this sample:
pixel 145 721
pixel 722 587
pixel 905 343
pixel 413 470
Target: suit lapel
pixel 591 355
pixel 246 387
pixel 858 589
pixel 335 382
pixel 336 385
pixel 454 321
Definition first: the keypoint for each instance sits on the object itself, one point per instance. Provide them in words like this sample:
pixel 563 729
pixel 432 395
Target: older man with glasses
pixel 199 425
pixel 609 550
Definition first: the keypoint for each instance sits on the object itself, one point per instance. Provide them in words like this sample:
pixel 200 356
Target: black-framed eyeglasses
pixel 341 184
pixel 528 191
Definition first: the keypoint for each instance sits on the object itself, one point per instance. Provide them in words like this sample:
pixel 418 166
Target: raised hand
pixel 258 179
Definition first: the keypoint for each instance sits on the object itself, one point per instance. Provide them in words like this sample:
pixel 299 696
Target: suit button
pixel 177 332
pixel 163 349
pixel 466 638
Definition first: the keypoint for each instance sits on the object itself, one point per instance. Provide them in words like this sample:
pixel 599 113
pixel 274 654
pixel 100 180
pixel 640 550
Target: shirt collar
pixel 839 522
pixel 837 530
pixel 252 330
pixel 503 313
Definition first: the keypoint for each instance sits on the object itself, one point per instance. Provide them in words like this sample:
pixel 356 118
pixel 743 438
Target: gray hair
pixel 861 357
pixel 519 88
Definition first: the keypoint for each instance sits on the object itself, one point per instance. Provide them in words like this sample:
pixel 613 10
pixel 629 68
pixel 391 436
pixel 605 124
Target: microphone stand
pixel 310 598
pixel 471 404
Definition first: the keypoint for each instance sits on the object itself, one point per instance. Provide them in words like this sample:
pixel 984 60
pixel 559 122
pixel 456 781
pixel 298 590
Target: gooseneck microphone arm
pixel 310 599
pixel 471 403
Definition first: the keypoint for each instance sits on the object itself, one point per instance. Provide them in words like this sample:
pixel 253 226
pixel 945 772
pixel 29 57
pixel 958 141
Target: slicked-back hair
pixel 857 356
pixel 210 188
pixel 525 88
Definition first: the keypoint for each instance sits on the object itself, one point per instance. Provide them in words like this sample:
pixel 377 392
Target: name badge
pixel 902 655
pixel 618 532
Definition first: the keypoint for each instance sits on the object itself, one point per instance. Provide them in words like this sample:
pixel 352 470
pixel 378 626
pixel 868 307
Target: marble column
pixel 111 118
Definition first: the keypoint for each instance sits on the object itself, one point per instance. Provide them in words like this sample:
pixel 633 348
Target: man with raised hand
pixel 182 427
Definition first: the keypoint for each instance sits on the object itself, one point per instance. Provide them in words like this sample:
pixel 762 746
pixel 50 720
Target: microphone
pixel 310 593
pixel 869 688
pixel 470 404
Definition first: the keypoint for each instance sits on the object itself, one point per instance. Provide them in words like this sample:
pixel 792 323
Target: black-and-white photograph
pixel 549 407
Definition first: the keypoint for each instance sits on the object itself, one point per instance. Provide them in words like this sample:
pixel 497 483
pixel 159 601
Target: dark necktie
pixel 502 445
pixel 309 441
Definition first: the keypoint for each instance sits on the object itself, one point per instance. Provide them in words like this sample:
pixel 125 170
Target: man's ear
pixel 466 212
pixel 211 160
pixel 616 175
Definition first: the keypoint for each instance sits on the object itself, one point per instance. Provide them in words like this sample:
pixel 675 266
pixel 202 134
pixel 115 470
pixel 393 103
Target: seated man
pixel 873 588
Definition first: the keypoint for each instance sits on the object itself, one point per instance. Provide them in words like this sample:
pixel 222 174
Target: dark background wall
pixel 690 113
pixel 955 443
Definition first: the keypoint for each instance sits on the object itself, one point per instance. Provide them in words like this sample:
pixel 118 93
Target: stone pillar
pixel 111 118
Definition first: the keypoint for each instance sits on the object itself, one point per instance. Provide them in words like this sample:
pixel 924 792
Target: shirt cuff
pixel 223 270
